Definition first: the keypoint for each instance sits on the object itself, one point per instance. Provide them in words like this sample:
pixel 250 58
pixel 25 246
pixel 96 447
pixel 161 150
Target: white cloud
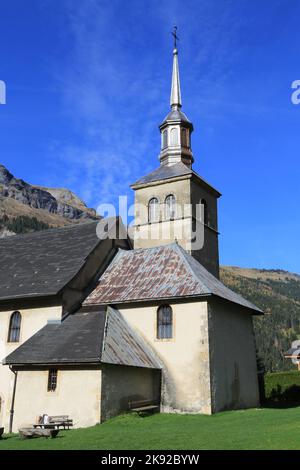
pixel 109 97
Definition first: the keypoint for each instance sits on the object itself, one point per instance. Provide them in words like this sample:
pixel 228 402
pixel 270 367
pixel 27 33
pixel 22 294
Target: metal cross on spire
pixel 175 100
pixel 176 38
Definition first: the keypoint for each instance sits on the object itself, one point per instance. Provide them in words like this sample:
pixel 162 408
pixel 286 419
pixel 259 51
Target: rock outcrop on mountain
pixel 56 201
pixel 51 207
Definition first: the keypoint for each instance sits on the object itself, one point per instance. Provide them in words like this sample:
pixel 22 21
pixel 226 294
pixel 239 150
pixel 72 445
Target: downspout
pixel 11 413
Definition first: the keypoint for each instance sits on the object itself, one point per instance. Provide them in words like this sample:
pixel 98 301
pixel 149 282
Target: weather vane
pixel 176 38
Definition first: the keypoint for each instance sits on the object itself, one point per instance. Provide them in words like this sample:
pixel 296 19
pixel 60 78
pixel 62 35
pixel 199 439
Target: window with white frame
pixel 170 203
pixel 165 139
pixel 14 327
pixel 153 210
pixel 174 136
pixel 164 322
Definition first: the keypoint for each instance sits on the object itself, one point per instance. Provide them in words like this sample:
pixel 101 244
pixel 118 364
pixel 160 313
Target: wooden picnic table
pixel 143 406
pixel 56 422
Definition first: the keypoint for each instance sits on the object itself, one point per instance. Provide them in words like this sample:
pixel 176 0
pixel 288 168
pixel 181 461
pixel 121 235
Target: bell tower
pixel 167 201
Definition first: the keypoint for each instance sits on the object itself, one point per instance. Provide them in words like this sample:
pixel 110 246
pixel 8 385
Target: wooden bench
pixel 56 422
pixel 143 406
pixel 28 433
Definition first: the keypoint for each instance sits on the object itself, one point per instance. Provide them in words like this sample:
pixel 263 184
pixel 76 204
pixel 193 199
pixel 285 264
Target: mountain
pixel 277 293
pixel 25 207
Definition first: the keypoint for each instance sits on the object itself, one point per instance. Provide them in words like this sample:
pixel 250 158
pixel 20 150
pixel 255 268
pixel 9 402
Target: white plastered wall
pixel 77 394
pixel 32 321
pixel 186 372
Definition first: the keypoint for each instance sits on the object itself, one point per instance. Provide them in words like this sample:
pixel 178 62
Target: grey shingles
pixel 124 346
pixel 77 339
pixel 166 172
pixel 101 336
pixel 41 263
pixel 177 115
pixel 163 272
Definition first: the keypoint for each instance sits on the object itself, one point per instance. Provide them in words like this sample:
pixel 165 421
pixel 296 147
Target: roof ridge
pixel 120 253
pixel 215 279
pixel 187 171
pixel 185 255
pixel 151 248
pixel 160 272
pixel 51 229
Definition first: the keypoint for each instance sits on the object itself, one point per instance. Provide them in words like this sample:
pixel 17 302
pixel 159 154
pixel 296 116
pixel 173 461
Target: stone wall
pixel 232 356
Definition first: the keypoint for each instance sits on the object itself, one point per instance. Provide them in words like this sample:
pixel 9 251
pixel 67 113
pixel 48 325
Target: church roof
pixel 176 115
pixel 167 172
pixel 42 263
pixel 163 272
pixel 97 337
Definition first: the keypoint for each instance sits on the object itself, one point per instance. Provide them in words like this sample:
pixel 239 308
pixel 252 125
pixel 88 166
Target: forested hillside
pixel 21 224
pixel 278 294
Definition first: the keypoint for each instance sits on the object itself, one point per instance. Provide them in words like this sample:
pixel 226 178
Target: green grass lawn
pixel 251 429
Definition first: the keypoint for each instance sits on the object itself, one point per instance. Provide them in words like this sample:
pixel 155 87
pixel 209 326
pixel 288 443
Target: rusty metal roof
pixel 163 272
pixel 102 336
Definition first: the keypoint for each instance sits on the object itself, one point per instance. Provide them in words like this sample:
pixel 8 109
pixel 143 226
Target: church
pixel 94 317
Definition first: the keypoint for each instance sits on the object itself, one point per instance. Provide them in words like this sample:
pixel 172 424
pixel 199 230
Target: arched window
pixel 204 212
pixel 170 203
pixel 14 327
pixel 184 142
pixel 164 322
pixel 174 136
pixel 153 210
pixel 165 139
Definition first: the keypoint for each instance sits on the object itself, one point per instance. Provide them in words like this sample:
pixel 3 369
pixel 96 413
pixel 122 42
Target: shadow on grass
pixel 29 438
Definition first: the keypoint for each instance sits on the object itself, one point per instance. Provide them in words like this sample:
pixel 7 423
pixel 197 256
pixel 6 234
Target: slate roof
pixel 102 336
pixel 176 115
pixel 77 339
pixel 42 263
pixel 163 272
pixel 166 172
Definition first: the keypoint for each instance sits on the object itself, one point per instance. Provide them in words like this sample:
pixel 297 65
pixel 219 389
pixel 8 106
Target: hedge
pixel 283 386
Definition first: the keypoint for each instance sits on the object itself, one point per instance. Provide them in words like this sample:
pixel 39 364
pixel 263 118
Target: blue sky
pixel 88 83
